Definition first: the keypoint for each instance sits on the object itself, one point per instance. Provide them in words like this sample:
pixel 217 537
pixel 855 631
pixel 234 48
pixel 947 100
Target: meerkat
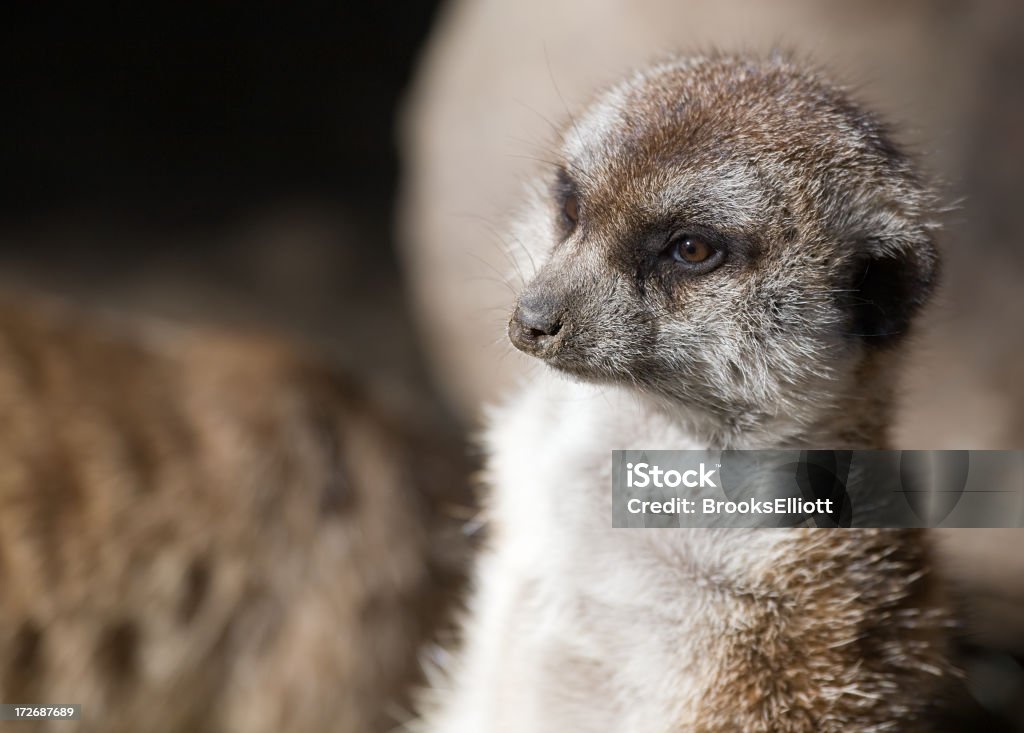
pixel 210 532
pixel 730 253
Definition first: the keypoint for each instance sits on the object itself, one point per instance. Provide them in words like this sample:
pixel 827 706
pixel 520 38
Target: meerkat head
pixel 729 233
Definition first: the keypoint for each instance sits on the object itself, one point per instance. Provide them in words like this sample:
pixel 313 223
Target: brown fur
pixel 849 633
pixel 204 533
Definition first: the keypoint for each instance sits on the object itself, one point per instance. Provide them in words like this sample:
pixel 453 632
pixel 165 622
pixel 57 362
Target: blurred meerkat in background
pixel 730 254
pixel 203 532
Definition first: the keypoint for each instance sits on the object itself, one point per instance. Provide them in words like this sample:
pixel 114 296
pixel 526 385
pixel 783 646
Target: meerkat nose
pixel 534 329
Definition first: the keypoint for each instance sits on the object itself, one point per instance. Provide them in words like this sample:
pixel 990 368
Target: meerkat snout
pixel 740 238
pixel 536 324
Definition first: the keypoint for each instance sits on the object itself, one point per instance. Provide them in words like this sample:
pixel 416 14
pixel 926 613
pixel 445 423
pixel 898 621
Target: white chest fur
pixel 573 625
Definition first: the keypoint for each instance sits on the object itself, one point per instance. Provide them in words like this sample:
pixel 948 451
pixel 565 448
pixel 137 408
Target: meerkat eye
pixel 567 201
pixel 691 249
pixel 571 208
pixel 695 253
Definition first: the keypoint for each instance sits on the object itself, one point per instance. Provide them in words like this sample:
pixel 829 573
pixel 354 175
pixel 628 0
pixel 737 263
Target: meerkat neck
pixel 860 418
pixel 850 427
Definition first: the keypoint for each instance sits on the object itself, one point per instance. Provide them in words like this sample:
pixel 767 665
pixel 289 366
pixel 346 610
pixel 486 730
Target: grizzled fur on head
pixel 817 223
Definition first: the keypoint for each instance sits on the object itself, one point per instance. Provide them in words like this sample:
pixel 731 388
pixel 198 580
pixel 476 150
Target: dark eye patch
pixel 652 255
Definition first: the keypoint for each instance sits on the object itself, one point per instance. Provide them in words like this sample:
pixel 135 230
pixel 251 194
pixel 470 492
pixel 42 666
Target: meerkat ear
pixel 889 284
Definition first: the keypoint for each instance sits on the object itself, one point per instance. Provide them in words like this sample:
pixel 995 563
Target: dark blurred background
pixel 232 163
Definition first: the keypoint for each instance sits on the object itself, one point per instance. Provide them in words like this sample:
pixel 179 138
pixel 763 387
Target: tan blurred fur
pixel 201 533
